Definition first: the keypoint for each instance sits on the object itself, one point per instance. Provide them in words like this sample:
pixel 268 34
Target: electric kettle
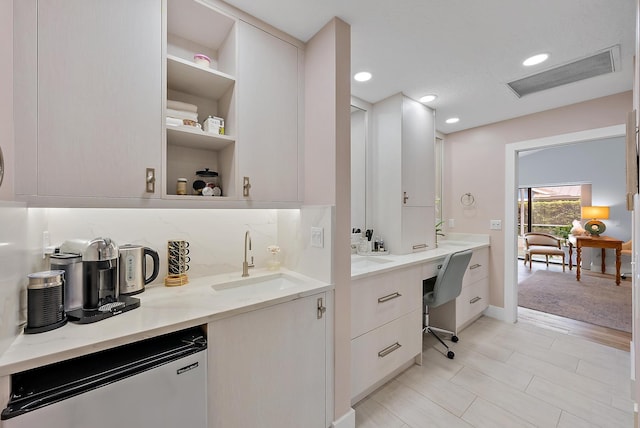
pixel 133 268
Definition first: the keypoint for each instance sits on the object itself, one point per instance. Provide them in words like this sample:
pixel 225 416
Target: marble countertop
pixel 162 310
pixel 369 265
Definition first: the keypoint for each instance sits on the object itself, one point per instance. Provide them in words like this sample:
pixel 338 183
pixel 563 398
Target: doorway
pixel 511 201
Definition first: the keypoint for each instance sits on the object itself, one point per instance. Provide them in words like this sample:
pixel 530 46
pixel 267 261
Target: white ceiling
pixel 466 50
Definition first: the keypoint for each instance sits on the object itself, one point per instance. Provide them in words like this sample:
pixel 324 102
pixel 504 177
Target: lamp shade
pixel 595 212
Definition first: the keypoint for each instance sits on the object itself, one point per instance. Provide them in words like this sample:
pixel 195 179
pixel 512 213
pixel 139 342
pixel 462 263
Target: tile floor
pixel 507 375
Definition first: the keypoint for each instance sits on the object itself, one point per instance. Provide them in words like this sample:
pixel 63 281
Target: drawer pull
pixel 389 297
pixel 475 299
pixel 476 266
pixel 389 349
pixel 419 246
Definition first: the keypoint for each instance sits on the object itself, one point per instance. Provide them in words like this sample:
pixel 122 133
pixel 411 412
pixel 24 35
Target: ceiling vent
pixel 595 65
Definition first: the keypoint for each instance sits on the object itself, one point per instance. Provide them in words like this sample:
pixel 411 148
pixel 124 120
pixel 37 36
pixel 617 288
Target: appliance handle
pixel 156 264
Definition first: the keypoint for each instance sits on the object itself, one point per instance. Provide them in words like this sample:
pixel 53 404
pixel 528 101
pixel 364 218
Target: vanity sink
pixel 454 244
pixel 267 283
pixel 362 262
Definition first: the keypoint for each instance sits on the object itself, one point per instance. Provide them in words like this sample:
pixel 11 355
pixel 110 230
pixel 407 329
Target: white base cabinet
pixel 386 326
pixel 267 368
pixel 473 299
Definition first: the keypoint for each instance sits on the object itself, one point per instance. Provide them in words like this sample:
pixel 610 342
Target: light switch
pixel 317 237
pixel 452 223
pixel 495 224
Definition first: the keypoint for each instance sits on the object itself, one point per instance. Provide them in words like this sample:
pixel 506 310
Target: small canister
pixel 45 301
pixel 211 180
pixel 71 264
pixel 181 186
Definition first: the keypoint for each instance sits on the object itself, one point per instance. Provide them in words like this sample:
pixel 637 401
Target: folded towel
pixel 179 105
pixel 173 121
pixel 180 114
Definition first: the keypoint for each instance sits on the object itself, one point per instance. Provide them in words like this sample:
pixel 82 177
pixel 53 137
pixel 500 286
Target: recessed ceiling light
pixel 453 120
pixel 362 76
pixel 428 98
pixel 536 59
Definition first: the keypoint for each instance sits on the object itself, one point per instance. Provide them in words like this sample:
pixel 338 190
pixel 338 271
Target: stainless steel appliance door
pixel 172 395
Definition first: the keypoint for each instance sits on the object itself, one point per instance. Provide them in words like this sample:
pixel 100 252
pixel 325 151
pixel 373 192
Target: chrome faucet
pixel 245 264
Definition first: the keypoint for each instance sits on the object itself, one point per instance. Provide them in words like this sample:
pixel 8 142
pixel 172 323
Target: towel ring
pixel 1 166
pixel 467 200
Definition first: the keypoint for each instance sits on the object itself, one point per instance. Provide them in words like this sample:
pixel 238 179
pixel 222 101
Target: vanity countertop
pixel 162 310
pixel 368 265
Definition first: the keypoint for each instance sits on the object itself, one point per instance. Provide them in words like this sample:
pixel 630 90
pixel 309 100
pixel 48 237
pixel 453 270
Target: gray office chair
pixel 443 288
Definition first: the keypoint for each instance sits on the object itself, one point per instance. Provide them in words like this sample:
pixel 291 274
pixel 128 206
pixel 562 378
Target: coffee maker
pixel 100 291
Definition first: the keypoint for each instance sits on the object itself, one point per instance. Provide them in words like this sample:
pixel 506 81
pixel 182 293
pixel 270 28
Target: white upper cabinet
pixel 403 174
pixel 268 103
pixel 418 138
pixel 96 119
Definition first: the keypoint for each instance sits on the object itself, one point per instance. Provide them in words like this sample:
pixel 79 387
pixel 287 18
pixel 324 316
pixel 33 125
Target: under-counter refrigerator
pixel 158 382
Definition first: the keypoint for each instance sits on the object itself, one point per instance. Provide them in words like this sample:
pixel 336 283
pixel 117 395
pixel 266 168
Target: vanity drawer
pixel 472 301
pixel 378 353
pixel 378 299
pixel 478 267
pixel 430 269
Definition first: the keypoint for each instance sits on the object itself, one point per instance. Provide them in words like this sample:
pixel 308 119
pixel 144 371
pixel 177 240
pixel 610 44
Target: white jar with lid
pixel 181 186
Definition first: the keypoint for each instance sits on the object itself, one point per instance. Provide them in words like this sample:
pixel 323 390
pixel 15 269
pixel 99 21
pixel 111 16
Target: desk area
pixel 602 242
pixel 387 308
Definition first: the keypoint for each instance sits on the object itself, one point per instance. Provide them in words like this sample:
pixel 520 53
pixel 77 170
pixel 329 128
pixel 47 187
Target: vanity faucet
pixel 245 264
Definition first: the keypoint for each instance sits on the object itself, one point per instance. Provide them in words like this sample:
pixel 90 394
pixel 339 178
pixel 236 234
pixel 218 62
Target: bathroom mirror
pixel 358 166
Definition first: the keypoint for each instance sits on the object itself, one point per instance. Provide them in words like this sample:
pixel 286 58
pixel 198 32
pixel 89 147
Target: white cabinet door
pixel 418 168
pixel 99 97
pixel 403 180
pixel 417 229
pixel 269 150
pixel 267 368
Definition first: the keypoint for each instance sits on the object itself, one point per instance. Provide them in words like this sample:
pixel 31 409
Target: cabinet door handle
pixel 321 307
pixel 418 246
pixel 151 180
pixel 475 299
pixel 388 297
pixel 475 266
pixel 389 349
pixel 246 185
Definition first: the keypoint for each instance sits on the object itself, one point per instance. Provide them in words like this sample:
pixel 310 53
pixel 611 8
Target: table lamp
pixel 594 226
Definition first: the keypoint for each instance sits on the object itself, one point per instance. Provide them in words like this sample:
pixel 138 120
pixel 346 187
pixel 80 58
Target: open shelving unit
pixel 194 27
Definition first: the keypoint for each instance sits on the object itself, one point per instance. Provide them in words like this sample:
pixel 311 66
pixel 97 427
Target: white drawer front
pixel 382 298
pixel 473 300
pixel 378 353
pixel 430 269
pixel 478 267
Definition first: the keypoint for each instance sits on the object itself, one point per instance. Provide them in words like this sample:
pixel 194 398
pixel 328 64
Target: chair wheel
pixel 454 339
pixel 450 355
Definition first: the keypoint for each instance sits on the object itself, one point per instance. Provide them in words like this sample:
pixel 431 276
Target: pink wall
pixel 327 176
pixel 474 162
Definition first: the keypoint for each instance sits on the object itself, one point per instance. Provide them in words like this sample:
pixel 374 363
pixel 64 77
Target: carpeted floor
pixel 593 299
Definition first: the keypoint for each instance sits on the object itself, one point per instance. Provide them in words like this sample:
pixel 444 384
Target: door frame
pixel 511 201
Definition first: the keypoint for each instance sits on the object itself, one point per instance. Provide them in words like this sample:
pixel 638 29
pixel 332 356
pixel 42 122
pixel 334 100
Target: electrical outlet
pixel 452 223
pixel 495 224
pixel 317 237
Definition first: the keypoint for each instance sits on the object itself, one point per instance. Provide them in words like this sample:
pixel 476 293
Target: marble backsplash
pixel 216 240
pixel 216 237
pixel 13 255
